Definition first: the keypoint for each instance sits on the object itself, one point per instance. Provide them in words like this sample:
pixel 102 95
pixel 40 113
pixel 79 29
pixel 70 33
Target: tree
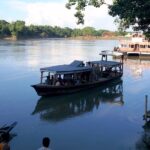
pixel 67 32
pixel 4 28
pixel 80 7
pixel 133 13
pixel 76 32
pixel 17 28
pixel 88 31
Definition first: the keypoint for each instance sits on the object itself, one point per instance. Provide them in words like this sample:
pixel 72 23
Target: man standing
pixel 46 143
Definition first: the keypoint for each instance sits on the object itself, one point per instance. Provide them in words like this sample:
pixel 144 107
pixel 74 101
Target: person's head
pixel 46 142
pixel 5 137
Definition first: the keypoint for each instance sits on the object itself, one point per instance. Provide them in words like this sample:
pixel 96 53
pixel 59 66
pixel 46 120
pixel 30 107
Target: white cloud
pixel 55 13
pixel 99 18
pixel 50 14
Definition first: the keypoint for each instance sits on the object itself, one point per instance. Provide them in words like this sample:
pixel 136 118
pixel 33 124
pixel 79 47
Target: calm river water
pixel 106 118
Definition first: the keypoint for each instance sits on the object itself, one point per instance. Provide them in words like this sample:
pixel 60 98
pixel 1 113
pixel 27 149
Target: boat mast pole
pixel 104 57
pixel 122 61
pixel 146 103
pixel 41 76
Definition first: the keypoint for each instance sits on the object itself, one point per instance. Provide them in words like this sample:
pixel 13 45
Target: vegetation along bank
pixel 18 30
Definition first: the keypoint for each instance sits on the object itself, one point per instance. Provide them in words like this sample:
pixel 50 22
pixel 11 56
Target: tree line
pixel 18 29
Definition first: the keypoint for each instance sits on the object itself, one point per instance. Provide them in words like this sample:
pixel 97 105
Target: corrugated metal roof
pixel 77 67
pixel 106 63
pixel 77 63
pixel 74 67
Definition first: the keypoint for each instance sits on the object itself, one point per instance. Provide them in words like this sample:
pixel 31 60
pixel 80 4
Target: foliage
pixel 88 31
pixel 4 28
pixel 133 13
pixel 80 7
pixel 18 29
pixel 76 32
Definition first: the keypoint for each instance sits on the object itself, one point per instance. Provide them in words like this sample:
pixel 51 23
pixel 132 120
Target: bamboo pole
pixel 122 59
pixel 146 103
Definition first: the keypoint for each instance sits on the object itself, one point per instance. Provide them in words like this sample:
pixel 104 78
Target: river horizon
pixel 107 117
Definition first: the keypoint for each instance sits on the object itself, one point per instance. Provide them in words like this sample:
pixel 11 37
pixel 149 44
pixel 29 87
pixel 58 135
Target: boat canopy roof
pixel 110 53
pixel 75 67
pixel 106 63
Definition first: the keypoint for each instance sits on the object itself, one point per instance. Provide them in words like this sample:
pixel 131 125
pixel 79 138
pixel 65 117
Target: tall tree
pixel 76 32
pixel 88 31
pixel 133 13
pixel 17 28
pixel 4 28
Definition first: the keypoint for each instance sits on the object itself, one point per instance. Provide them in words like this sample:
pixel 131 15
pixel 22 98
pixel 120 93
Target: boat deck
pixel 99 80
pixel 134 53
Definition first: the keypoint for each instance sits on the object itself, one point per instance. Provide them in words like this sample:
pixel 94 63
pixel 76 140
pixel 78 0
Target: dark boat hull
pixel 48 90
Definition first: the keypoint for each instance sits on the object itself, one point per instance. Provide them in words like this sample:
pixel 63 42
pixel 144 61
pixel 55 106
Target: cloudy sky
pixel 53 12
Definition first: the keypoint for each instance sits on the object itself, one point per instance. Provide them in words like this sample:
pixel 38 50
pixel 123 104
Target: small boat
pixel 5 129
pixel 77 76
pixel 136 45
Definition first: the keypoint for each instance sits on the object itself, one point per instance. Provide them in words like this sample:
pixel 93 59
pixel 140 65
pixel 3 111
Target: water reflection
pixel 137 65
pixel 144 141
pixel 59 108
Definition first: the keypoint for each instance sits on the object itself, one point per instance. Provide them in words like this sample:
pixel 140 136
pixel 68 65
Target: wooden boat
pixel 6 129
pixel 77 76
pixel 136 45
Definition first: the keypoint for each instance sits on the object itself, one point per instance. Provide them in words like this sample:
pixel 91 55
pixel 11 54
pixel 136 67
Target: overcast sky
pixel 53 12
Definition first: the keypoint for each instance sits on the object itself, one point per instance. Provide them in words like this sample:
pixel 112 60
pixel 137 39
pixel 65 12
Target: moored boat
pixel 136 45
pixel 77 76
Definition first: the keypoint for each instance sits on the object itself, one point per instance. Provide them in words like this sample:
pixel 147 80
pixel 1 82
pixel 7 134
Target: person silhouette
pixel 45 144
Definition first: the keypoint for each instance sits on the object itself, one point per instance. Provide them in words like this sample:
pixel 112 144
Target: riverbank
pixel 11 38
pixel 98 38
pixel 72 38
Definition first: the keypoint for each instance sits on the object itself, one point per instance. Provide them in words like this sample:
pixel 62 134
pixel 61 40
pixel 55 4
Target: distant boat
pixel 77 76
pixel 136 45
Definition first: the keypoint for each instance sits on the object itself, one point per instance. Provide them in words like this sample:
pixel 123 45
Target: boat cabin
pixel 78 73
pixel 106 69
pixel 63 75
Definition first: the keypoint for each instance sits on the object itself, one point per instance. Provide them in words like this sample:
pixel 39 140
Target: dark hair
pixel 46 141
pixel 5 137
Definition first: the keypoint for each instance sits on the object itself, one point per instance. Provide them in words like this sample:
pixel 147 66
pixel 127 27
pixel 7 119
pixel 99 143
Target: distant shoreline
pixel 97 38
pixel 69 38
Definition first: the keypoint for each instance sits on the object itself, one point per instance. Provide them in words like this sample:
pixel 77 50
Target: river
pixel 109 117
